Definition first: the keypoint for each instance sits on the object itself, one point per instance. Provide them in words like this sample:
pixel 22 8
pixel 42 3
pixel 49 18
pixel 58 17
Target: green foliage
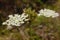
pixel 37 1
pixel 32 14
pixel 25 1
pixel 33 35
pixel 34 20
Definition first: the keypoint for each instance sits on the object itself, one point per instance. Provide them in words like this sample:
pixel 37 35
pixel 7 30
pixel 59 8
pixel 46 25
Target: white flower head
pixel 48 13
pixel 16 20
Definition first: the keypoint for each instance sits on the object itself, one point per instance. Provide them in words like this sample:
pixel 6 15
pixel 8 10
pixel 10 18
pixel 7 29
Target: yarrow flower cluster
pixel 48 13
pixel 16 20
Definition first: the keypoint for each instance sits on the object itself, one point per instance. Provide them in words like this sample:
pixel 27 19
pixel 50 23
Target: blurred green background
pixel 8 7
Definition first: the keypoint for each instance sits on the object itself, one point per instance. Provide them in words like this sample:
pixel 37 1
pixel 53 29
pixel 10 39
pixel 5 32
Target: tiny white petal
pixel 26 19
pixel 4 23
pixel 10 16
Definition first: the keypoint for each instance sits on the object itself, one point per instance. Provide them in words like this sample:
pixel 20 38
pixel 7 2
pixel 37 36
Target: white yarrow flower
pixel 16 20
pixel 48 13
